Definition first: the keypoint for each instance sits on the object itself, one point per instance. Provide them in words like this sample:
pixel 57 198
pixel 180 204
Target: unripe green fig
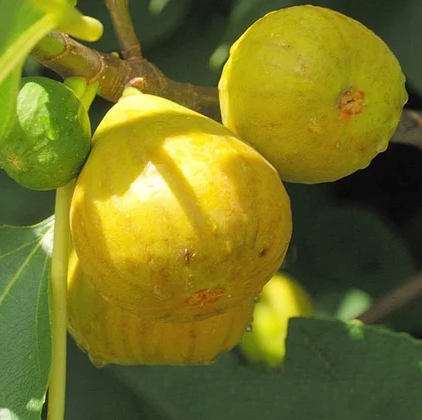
pixel 315 92
pixel 110 335
pixel 281 298
pixel 174 218
pixel 50 139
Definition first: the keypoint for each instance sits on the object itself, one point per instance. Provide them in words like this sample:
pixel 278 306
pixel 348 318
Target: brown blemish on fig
pixel 14 161
pixel 263 252
pixel 203 296
pixel 351 101
pixel 186 255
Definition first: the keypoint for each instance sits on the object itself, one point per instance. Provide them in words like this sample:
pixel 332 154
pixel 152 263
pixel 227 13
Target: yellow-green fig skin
pixel 174 218
pixel 110 335
pixel 316 92
pixel 281 298
pixel 51 137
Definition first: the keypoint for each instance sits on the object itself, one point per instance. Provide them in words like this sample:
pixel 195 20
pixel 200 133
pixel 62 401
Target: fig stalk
pixel 123 27
pixel 58 310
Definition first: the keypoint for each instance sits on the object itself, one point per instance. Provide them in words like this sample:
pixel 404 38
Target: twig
pixel 130 47
pixel 58 288
pixel 393 301
pixel 409 130
pixel 66 57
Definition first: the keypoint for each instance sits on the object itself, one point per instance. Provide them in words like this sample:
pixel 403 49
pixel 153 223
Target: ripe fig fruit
pixel 280 299
pixel 173 218
pixel 110 335
pixel 51 136
pixel 315 92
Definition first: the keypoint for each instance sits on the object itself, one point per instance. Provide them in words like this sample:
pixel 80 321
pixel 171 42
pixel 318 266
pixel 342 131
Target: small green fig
pixel 50 139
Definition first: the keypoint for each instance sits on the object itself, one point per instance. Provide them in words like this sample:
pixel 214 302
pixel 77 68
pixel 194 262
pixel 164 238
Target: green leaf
pixel 25 347
pixel 343 248
pixel 332 371
pixel 93 394
pixel 8 92
pixel 351 371
pixel 25 22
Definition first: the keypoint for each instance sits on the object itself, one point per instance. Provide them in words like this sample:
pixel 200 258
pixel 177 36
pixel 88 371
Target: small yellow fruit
pixel 110 335
pixel 173 218
pixel 316 92
pixel 280 299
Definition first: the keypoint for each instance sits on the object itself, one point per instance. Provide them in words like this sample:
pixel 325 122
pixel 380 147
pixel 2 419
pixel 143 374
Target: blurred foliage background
pixel 353 239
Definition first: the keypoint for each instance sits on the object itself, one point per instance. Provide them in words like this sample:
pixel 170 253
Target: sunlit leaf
pixel 8 92
pixel 25 22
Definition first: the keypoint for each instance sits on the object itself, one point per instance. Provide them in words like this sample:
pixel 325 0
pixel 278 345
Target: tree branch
pixel 66 57
pixel 129 45
pixel 394 301
pixel 409 130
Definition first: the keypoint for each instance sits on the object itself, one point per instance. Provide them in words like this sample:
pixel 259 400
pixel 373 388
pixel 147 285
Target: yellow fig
pixel 315 92
pixel 174 218
pixel 281 298
pixel 110 335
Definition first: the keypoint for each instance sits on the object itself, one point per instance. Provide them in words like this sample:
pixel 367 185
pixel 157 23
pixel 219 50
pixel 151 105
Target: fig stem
pixel 67 57
pixel 82 27
pixel 58 306
pixel 77 85
pixel 71 21
pixel 89 95
pixel 129 45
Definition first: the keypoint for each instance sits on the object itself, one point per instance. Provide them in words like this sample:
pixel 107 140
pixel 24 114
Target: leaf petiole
pixel 58 288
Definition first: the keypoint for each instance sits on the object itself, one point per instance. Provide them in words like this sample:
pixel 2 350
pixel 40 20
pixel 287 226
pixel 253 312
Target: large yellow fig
pixel 316 92
pixel 110 335
pixel 174 218
pixel 281 298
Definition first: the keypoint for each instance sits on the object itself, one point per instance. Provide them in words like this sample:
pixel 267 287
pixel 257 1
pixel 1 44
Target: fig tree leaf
pixel 25 347
pixel 8 93
pixel 332 370
pixel 93 394
pixel 24 22
pixel 343 248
